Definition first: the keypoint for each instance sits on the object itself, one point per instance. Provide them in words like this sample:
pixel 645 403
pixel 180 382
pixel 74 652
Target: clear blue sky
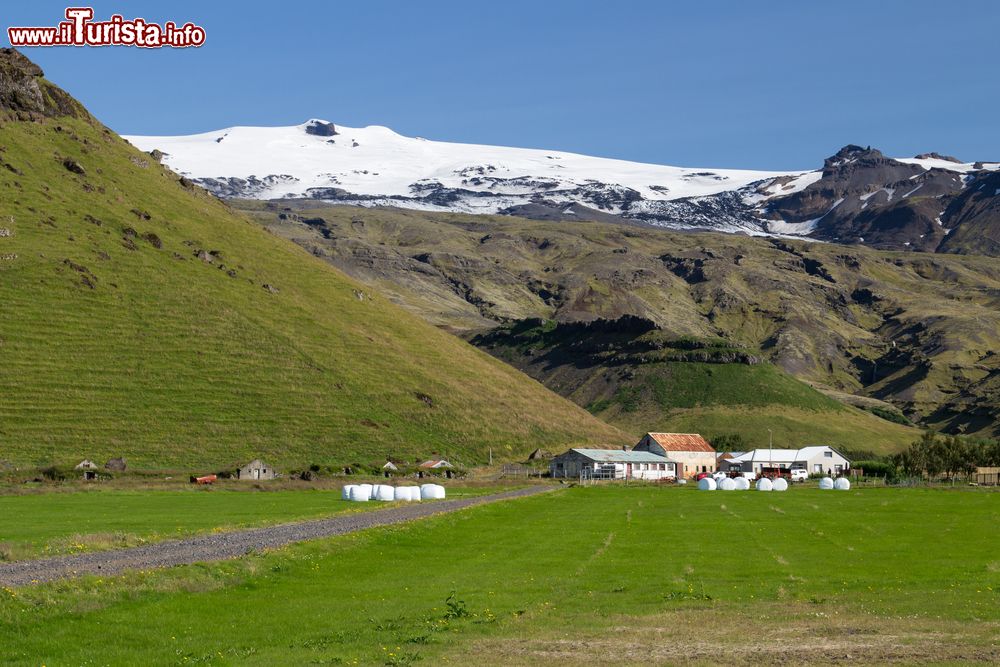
pixel 709 83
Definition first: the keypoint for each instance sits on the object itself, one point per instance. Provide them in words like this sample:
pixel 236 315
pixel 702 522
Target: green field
pixel 598 575
pixel 95 520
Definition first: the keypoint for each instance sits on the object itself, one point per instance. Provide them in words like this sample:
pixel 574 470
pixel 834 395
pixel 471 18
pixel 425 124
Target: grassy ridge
pixel 825 571
pixel 636 382
pixel 117 339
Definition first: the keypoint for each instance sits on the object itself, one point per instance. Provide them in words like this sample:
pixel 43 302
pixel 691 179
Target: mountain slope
pixel 919 331
pixel 859 196
pixel 634 375
pixel 141 317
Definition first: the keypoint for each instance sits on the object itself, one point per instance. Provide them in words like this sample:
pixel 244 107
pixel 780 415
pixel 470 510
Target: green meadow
pixel 74 522
pixel 600 575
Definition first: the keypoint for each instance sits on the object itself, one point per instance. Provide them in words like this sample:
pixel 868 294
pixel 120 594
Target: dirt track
pixel 220 546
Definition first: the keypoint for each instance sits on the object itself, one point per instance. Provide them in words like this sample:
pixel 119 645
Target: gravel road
pixel 219 546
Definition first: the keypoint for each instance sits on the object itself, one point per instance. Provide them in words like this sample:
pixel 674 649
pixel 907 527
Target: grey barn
pixel 255 470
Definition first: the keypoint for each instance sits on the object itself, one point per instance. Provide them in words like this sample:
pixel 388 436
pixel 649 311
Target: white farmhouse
pixel 612 464
pixel 814 459
pixel 690 451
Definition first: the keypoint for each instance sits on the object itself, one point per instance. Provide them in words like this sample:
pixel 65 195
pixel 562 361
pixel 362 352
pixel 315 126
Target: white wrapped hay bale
pixel 706 484
pixel 345 493
pixel 727 484
pixel 385 493
pixel 431 492
pixel 842 484
pixel 359 494
pixel 764 484
pixel 780 484
pixel 742 484
pixel 365 488
pixel 407 493
pixel 826 483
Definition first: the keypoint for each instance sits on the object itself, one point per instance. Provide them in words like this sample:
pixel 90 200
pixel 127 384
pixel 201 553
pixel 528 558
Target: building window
pixel 817 467
pixel 828 455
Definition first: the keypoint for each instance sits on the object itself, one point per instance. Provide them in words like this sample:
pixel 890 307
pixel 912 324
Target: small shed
pixel 256 470
pixel 390 466
pixel 434 464
pixel 88 468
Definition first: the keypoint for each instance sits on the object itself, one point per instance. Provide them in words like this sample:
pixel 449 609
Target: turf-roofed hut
pixel 690 451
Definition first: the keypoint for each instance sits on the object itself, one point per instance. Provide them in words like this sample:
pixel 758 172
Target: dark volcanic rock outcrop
pixel 24 92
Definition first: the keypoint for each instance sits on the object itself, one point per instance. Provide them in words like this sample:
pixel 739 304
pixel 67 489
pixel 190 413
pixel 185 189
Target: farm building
pixel 88 467
pixel 255 470
pixel 612 464
pixel 689 451
pixel 434 464
pixel 813 459
pixel 390 467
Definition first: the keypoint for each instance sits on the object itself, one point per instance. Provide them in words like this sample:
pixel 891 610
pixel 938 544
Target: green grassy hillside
pixel 639 378
pixel 143 318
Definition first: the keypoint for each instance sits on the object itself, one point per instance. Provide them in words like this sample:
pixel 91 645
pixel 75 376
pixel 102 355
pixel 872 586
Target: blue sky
pixel 773 85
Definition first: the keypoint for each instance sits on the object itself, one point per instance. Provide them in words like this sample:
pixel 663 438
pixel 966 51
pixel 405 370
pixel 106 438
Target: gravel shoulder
pixel 220 546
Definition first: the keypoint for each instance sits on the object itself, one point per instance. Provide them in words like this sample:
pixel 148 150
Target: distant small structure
pixel 390 466
pixel 117 464
pixel 256 470
pixel 539 454
pixel 88 468
pixel 434 464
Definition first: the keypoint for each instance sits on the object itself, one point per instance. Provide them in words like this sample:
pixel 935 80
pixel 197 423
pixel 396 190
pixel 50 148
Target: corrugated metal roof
pixel 620 456
pixel 764 455
pixel 681 442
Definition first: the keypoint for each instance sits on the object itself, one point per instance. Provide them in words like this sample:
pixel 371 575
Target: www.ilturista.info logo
pixel 80 30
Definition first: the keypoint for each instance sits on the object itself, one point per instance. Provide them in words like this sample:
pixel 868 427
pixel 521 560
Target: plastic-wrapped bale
pixel 727 484
pixel 826 483
pixel 385 493
pixel 780 484
pixel 742 484
pixel 365 488
pixel 842 484
pixel 431 492
pixel 359 494
pixel 764 484
pixel 406 492
pixel 706 484
pixel 345 493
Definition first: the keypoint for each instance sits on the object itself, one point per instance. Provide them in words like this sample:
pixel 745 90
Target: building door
pixel 256 473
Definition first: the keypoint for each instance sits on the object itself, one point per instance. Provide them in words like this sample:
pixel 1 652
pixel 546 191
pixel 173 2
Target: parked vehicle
pixel 799 474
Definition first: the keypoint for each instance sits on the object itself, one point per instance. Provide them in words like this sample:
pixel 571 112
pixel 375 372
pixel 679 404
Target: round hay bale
pixel 742 484
pixel 780 484
pixel 345 493
pixel 407 493
pixel 826 483
pixel 360 495
pixel 764 484
pixel 706 484
pixel 366 488
pixel 727 484
pixel 431 492
pixel 385 493
pixel 842 484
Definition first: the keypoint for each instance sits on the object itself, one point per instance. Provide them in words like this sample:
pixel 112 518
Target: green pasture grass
pixel 582 575
pixel 46 524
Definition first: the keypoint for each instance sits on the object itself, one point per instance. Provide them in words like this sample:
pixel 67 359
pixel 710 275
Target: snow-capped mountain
pixel 374 166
